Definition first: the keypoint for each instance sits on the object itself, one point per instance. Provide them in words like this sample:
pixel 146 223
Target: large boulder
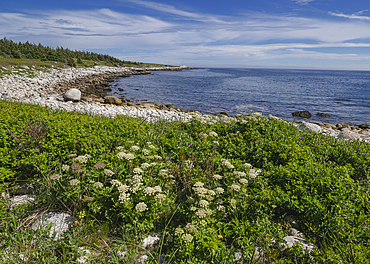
pixel 303 114
pixel 305 126
pixel 60 223
pixel 112 100
pixel 73 95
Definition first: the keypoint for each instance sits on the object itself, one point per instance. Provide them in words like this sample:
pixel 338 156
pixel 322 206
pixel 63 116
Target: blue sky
pixel 325 34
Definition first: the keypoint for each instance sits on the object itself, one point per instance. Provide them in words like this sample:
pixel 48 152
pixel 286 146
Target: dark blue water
pixel 345 95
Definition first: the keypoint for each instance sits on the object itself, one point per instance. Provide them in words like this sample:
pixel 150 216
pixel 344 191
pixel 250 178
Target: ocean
pixel 345 95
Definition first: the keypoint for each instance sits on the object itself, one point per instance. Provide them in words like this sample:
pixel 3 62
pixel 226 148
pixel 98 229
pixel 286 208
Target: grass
pixel 208 188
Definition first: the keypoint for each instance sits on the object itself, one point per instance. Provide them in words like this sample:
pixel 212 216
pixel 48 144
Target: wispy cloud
pixel 189 37
pixel 353 16
pixel 302 2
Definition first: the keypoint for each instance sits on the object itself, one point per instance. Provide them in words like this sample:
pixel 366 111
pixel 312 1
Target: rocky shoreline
pixel 48 89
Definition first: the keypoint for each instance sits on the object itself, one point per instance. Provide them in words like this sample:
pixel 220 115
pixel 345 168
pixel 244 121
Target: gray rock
pixel 73 95
pixel 60 223
pixel 292 240
pixel 112 100
pixel 21 200
pixel 305 126
pixel 303 114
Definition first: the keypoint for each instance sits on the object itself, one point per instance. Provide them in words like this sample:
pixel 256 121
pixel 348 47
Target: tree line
pixel 11 49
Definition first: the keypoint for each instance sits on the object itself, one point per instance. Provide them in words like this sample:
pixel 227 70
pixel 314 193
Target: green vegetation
pixel 20 56
pixel 124 179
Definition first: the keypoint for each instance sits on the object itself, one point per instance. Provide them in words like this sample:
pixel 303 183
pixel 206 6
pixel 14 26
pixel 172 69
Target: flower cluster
pixel 203 135
pixel 99 165
pixel 122 189
pixel 108 172
pixel 146 152
pixel 239 174
pixel 151 191
pixel 141 207
pixel 213 134
pixel 65 167
pixel 243 181
pixel 136 182
pixel 137 171
pixel 201 213
pixel 227 163
pixel 199 189
pixel 203 203
pixel 191 228
pixel 160 197
pixel 127 156
pixel 219 190
pixel 56 177
pixel 74 182
pixel 82 159
pixel 188 164
pixel 235 187
pixel 187 238
pixel 145 165
pixel 98 185
pixel 217 177
pixel 134 148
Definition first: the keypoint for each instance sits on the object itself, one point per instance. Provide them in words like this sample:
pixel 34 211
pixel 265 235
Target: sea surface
pixel 345 95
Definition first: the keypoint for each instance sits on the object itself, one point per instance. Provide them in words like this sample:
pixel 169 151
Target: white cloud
pixel 353 16
pixel 302 2
pixel 200 38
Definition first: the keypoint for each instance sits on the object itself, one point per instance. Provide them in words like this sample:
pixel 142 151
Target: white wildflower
pixel 217 177
pixel 145 165
pixel 252 175
pixel 221 208
pixel 188 164
pixel 211 193
pixel 157 188
pixel 108 172
pixel 129 156
pixel 160 197
pixel 243 181
pixel 74 182
pixel 157 157
pixel 235 187
pixel 56 177
pixel 219 190
pixel 141 207
pixel 191 228
pixel 149 191
pixel 153 164
pixel 213 134
pixel 152 147
pixel 65 167
pixel 193 208
pixel 115 183
pixel 187 238
pixel 203 135
pixel 120 148
pixel 179 231
pixel 216 143
pixel 81 159
pixel 198 184
pixel 123 188
pixel 201 213
pixel 123 197
pixel 134 148
pixel 146 152
pixel 239 174
pixel 138 171
pixel 200 191
pixel 121 155
pixel 98 185
pixel 203 203
pixel 247 165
